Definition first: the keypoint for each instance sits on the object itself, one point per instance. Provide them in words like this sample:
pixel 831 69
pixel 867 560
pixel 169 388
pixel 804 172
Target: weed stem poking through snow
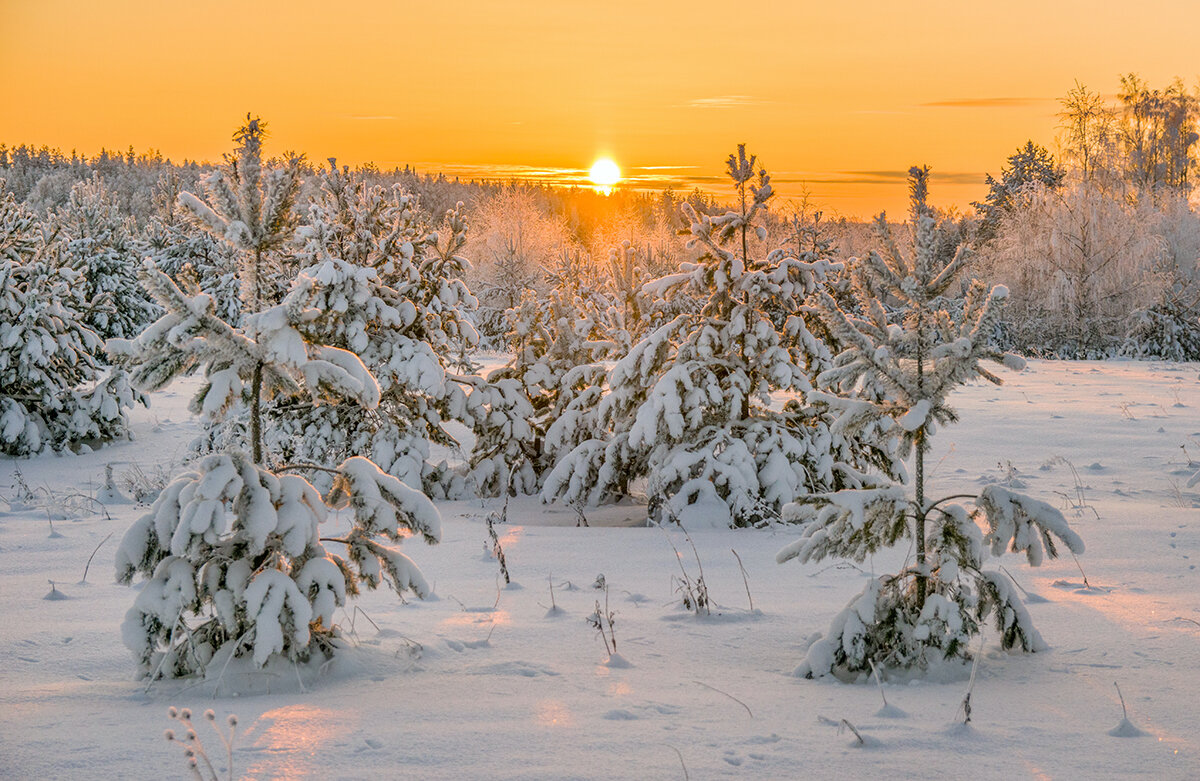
pixel 727 694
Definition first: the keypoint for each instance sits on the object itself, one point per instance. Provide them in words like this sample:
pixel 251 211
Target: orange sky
pixel 843 96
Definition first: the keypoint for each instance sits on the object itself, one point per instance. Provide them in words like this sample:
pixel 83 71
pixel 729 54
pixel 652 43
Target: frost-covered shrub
pixel 1168 330
pixel 1079 260
pixel 54 391
pixel 930 610
pixel 689 409
pixel 514 241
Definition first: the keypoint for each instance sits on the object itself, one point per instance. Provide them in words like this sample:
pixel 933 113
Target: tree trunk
pixel 256 414
pixel 922 579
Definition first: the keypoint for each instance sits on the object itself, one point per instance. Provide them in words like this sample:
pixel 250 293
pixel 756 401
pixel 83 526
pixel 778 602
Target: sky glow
pixel 837 100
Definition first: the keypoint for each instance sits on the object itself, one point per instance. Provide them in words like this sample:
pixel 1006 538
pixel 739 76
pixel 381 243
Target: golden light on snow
pixel 553 713
pixel 291 739
pixel 604 174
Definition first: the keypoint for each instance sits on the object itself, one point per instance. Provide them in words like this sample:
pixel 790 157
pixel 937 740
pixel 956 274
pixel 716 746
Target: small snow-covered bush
pixel 233 560
pixel 930 611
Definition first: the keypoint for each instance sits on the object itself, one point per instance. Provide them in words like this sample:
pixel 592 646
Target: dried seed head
pixel 173 712
pixel 186 713
pixel 191 734
pixel 169 735
pixel 232 720
pixel 210 715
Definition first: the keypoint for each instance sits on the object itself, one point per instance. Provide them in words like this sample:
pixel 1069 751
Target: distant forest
pixel 1099 242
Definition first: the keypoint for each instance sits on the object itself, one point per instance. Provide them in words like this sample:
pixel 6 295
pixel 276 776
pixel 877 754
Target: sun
pixel 604 173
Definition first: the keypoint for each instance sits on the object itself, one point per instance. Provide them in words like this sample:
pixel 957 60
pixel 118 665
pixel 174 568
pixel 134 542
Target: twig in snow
pixel 299 680
pixel 358 610
pixel 1018 585
pixel 857 734
pixel 497 550
pixel 686 777
pixel 878 682
pixel 727 694
pixel 193 749
pixel 839 565
pixel 89 561
pixel 745 578
pixel 694 593
pixel 1081 572
pixel 598 621
pixel 487 640
pixel 966 703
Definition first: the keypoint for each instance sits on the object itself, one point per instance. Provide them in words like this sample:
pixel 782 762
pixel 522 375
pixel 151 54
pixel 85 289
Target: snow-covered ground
pixel 484 681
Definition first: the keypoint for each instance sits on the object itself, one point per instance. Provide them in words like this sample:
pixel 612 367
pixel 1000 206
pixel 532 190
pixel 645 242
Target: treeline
pixel 1099 242
pixel 1100 246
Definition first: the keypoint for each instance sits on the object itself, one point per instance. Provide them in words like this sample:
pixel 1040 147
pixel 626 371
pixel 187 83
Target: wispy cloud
pixel 724 101
pixel 685 177
pixel 887 177
pixel 986 103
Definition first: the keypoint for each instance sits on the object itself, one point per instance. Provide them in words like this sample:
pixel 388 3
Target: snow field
pixel 483 682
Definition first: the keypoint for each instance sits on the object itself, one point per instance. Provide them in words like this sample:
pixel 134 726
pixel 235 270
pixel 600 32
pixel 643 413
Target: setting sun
pixel 604 173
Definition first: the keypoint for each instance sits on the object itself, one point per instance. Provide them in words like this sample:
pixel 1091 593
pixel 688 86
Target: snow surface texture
pixel 465 686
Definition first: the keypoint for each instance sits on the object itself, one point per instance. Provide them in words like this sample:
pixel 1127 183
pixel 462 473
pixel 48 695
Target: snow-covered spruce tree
pixel 625 316
pixel 190 255
pixel 391 292
pixel 929 611
pixel 232 552
pixel 689 410
pixel 252 211
pixel 557 340
pixel 53 390
pixel 98 242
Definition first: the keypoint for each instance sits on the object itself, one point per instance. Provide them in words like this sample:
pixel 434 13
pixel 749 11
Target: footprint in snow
pixel 523 669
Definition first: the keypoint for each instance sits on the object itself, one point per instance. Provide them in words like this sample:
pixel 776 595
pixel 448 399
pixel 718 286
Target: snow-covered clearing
pixel 488 682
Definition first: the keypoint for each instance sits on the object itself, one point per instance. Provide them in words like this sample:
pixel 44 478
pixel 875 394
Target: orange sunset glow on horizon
pixel 837 100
